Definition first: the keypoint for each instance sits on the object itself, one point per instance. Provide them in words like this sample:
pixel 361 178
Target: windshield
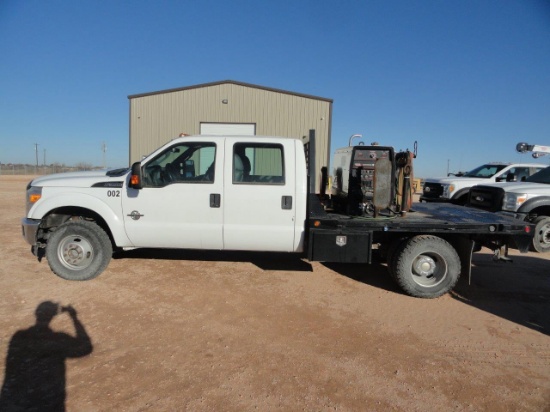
pixel 485 171
pixel 542 176
pixel 183 162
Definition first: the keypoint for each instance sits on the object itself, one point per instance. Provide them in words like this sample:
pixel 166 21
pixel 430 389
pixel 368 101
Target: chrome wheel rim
pixel 75 252
pixel 429 270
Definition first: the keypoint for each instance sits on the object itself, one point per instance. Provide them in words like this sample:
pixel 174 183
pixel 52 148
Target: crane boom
pixel 538 150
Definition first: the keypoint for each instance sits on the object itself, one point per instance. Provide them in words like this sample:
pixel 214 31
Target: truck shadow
pixel 375 274
pixel 518 292
pixel 263 260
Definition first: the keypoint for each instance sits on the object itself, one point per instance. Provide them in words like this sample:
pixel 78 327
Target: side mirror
pixel 135 176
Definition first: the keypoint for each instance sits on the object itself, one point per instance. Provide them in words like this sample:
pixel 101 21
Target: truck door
pixel 179 205
pixel 259 196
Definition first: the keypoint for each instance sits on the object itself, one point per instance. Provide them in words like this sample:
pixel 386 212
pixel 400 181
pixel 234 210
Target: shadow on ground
pixel 375 274
pixel 518 291
pixel 263 260
pixel 35 375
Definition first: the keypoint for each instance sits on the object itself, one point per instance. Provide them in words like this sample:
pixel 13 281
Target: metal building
pixel 227 107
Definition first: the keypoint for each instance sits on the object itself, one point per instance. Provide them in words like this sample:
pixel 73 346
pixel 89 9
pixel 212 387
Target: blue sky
pixel 467 79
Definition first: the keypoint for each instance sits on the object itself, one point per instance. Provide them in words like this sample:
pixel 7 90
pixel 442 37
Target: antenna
pixel 104 150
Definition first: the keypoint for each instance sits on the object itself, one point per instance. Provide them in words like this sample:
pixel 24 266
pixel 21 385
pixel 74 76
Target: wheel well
pixel 461 196
pixel 59 216
pixel 539 211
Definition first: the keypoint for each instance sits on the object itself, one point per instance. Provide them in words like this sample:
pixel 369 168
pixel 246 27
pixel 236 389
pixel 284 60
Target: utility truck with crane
pixel 255 193
pixel 528 200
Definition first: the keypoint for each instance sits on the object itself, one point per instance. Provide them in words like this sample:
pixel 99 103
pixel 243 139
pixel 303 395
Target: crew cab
pixel 528 200
pixel 258 194
pixel 455 189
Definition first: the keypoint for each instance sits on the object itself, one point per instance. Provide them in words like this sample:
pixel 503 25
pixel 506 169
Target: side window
pixel 533 170
pixel 181 163
pixel 258 163
pixel 521 173
pixel 517 174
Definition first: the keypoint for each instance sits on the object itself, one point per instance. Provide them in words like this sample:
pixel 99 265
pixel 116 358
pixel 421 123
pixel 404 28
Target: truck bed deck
pixel 424 217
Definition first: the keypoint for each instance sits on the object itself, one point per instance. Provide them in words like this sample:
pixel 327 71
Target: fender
pixel 461 192
pixel 529 205
pixel 84 201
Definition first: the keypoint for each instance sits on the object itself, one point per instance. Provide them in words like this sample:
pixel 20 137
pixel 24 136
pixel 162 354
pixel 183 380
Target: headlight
pixel 34 193
pixel 513 201
pixel 447 191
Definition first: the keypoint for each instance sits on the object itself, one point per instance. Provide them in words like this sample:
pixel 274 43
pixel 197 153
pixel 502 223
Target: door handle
pixel 215 200
pixel 286 202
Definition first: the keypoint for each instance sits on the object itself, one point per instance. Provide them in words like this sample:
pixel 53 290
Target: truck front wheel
pixel 541 240
pixel 78 250
pixel 426 266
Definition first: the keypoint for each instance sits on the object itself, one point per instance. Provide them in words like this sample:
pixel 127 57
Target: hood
pixel 81 179
pixel 454 179
pixel 521 187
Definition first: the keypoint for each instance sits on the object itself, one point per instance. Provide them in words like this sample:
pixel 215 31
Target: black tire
pixel 461 201
pixel 78 250
pixel 541 240
pixel 426 266
pixel 390 253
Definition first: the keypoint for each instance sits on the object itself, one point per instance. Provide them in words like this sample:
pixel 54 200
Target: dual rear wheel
pixel 424 266
pixel 541 239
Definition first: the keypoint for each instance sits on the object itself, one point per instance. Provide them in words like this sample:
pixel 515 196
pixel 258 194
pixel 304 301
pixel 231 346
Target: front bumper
pixel 30 229
pixel 434 199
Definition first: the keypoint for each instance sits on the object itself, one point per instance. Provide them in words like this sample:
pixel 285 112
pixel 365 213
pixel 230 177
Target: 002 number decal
pixel 113 193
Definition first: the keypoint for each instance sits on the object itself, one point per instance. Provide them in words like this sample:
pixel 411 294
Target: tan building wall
pixel 156 118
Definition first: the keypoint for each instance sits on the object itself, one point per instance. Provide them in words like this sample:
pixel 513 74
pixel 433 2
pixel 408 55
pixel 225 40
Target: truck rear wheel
pixel 390 254
pixel 541 240
pixel 426 266
pixel 78 250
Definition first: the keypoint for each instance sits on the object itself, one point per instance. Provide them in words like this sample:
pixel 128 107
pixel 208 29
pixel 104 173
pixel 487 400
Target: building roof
pixel 270 89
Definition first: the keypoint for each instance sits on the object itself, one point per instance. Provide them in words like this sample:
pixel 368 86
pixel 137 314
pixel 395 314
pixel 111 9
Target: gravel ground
pixel 209 331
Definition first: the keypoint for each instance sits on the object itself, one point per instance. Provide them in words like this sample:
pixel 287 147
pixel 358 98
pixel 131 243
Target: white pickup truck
pixel 454 189
pixel 528 201
pixel 255 194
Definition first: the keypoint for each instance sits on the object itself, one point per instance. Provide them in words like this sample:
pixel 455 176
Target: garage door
pixel 229 129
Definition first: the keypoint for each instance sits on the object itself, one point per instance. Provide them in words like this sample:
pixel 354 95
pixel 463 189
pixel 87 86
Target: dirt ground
pixel 210 331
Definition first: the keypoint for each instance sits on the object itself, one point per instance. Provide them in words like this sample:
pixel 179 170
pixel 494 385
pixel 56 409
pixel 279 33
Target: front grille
pixel 486 198
pixel 432 190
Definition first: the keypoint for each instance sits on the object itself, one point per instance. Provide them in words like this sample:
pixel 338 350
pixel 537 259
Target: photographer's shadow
pixel 35 363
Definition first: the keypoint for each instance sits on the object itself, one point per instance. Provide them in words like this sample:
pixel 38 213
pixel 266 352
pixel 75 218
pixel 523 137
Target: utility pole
pixel 104 150
pixel 36 152
pixel 44 164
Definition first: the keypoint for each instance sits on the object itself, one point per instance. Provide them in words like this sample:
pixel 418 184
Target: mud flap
pixel 465 249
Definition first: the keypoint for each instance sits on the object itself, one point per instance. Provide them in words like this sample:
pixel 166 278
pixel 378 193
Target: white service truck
pixel 256 194
pixel 454 189
pixel 527 200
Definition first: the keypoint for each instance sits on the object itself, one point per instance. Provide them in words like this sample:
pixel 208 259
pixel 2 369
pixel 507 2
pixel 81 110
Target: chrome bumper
pixel 30 228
